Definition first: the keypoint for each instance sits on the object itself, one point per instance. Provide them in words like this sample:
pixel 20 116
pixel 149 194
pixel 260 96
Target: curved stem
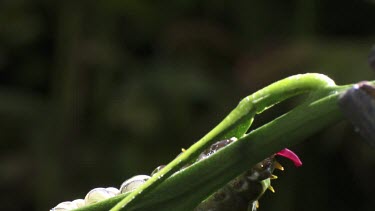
pixel 235 124
pixel 184 191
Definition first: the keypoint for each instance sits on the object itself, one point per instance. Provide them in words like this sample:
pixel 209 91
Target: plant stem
pixel 235 124
pixel 185 190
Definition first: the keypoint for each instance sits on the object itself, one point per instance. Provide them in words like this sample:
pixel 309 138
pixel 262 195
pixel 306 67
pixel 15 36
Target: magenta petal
pixel 291 156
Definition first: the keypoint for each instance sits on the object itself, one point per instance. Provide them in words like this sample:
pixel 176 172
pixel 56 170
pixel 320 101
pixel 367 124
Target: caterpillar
pixel 241 194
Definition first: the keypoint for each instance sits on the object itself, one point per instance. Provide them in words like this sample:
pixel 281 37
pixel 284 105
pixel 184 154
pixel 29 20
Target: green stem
pixel 235 124
pixel 184 191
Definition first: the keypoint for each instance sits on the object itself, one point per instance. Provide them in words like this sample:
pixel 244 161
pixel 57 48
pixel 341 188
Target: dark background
pixel 94 92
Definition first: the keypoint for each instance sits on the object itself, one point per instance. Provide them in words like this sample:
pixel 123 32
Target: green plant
pixel 172 189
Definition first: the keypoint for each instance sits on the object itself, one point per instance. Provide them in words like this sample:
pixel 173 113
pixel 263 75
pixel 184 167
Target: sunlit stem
pixel 235 124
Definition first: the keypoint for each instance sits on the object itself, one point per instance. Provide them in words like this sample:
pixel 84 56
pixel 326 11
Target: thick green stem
pixel 187 188
pixel 235 124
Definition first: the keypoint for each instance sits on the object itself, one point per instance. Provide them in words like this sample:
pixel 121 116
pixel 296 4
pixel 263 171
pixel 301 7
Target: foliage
pixel 184 190
pixel 87 87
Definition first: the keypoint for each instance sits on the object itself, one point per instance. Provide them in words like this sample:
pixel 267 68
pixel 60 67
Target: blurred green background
pixel 94 92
